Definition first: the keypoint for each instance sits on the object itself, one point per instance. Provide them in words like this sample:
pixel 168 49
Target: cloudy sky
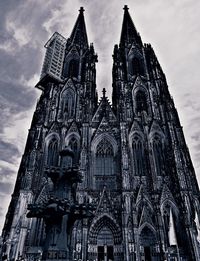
pixel 172 27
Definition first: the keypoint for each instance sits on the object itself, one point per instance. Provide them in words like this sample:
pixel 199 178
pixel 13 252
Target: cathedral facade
pixel 132 157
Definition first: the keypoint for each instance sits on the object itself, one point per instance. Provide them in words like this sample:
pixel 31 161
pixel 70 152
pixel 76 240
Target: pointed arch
pixel 148 226
pixel 147 240
pixel 143 207
pixel 52 149
pixel 103 162
pixel 102 222
pixel 107 137
pixel 167 203
pixel 104 158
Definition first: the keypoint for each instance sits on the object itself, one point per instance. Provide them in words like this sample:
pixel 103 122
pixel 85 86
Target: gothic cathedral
pixel 101 181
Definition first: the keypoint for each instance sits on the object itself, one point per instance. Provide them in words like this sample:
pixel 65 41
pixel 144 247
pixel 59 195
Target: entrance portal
pixel 105 244
pixel 147 241
pixel 105 253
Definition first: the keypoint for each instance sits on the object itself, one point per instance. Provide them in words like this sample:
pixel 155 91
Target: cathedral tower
pixel 135 165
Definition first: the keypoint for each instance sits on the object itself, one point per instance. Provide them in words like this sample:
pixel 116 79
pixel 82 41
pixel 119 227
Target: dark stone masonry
pixel 101 181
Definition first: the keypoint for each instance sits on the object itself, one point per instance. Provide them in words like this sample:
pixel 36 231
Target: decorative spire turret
pixel 79 34
pixel 129 33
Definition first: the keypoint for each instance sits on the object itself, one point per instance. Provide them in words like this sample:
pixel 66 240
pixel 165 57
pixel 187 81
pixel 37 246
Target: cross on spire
pixel 104 92
pixel 81 9
pixel 125 8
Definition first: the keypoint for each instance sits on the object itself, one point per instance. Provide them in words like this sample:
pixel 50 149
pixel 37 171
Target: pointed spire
pixel 79 34
pixel 129 33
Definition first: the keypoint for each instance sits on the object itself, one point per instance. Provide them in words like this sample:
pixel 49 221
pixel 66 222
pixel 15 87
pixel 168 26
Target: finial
pixel 81 10
pixel 104 92
pixel 126 8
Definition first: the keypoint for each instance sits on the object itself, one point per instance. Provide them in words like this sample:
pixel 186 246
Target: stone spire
pixel 129 33
pixel 79 34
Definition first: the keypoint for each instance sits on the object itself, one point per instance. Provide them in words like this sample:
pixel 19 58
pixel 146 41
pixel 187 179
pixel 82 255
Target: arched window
pixel 68 105
pixel 138 156
pixel 136 67
pixel 104 158
pixel 73 143
pixel 158 155
pixel 52 157
pixel 141 102
pixel 73 69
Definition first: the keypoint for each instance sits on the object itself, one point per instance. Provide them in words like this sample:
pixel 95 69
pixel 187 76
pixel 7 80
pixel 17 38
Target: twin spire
pixel 79 34
pixel 129 33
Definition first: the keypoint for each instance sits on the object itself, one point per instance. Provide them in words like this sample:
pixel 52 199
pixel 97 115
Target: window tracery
pixel 104 158
pixel 68 103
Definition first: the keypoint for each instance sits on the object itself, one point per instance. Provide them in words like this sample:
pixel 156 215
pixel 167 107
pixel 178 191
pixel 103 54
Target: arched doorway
pixel 147 245
pixel 105 240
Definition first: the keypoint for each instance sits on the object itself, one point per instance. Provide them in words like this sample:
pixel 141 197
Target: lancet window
pixel 158 154
pixel 68 99
pixel 52 158
pixel 138 155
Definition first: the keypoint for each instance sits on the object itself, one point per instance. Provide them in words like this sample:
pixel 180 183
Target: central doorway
pixel 105 253
pixel 105 245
